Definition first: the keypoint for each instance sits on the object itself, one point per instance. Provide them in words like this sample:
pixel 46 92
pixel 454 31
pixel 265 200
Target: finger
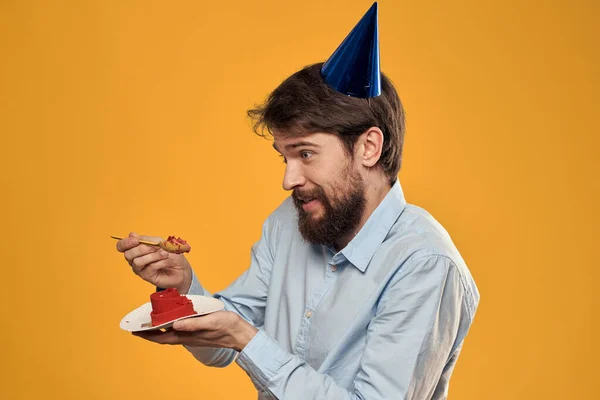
pixel 141 262
pixel 155 239
pixel 164 262
pixel 127 243
pixel 139 251
pixel 169 337
pixel 192 324
pixel 151 238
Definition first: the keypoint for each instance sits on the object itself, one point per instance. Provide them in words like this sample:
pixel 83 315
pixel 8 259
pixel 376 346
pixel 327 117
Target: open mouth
pixel 309 204
pixel 307 201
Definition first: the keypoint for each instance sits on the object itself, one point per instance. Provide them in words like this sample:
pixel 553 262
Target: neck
pixel 374 195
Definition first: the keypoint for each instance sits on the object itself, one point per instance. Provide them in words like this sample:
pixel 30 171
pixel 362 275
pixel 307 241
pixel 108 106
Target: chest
pixel 319 309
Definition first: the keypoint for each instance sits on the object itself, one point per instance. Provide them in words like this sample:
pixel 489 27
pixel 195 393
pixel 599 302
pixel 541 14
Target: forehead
pixel 286 141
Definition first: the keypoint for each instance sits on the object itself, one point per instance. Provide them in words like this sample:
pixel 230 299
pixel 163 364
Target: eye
pixel 305 155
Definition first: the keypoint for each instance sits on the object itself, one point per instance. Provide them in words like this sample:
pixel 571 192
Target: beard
pixel 341 213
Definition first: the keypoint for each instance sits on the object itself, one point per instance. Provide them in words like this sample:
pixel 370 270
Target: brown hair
pixel 304 103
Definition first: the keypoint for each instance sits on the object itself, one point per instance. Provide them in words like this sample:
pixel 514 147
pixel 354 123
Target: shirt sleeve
pixel 246 296
pixel 409 341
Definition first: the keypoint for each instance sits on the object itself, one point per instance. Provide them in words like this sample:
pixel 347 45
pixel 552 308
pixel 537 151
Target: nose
pixel 293 177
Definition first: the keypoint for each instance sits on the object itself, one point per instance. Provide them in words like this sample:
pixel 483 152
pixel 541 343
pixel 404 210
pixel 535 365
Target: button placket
pixel 304 330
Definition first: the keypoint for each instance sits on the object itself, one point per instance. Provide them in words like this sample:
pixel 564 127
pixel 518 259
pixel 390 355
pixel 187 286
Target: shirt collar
pixel 363 246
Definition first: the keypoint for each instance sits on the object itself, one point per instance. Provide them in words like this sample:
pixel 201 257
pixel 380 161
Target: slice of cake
pixel 168 305
pixel 175 245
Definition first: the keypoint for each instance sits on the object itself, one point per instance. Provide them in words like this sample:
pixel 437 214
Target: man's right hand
pixel 154 265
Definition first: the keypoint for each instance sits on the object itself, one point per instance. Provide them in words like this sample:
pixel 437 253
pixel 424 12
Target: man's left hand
pixel 220 329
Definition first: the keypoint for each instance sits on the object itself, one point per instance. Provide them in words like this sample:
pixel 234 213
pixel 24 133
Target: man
pixel 351 292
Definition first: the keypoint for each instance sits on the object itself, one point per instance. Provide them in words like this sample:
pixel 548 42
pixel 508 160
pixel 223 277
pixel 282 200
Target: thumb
pixel 151 238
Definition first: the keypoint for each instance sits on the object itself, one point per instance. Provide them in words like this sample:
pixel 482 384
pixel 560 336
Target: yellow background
pixel 130 115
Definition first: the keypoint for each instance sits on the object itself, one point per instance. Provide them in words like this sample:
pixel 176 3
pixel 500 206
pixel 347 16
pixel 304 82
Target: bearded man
pixel 351 292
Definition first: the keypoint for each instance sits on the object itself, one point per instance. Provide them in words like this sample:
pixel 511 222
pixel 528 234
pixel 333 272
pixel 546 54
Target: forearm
pixel 239 335
pixel 212 357
pixel 246 297
pixel 286 376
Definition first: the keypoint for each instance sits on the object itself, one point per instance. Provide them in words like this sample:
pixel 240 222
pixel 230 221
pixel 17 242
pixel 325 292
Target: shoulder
pixel 422 246
pixel 285 212
pixel 419 230
pixel 282 218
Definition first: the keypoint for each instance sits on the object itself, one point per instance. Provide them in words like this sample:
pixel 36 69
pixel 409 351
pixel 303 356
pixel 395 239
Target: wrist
pixel 245 332
pixel 185 286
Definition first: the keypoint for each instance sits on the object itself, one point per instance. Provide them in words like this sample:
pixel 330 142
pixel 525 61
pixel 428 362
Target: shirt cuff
pixel 196 287
pixel 261 359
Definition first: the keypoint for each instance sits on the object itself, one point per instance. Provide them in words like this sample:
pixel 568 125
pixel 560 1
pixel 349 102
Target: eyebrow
pixel 296 145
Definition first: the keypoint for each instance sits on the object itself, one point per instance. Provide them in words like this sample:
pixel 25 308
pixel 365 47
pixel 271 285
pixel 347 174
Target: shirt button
pixel 308 314
pixel 334 268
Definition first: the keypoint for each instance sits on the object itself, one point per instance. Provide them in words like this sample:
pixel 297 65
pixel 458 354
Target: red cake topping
pixel 168 305
pixel 175 245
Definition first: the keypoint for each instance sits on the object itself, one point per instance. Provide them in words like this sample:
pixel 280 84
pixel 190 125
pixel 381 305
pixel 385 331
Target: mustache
pixel 307 194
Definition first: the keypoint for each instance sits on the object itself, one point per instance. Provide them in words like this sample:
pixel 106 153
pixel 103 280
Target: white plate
pixel 133 321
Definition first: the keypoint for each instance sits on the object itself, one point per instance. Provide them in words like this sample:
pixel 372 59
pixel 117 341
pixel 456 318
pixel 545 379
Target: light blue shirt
pixel 384 318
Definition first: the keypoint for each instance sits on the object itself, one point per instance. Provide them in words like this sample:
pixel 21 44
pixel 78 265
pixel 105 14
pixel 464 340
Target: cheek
pixel 324 180
pixel 331 171
pixel 335 185
pixel 330 174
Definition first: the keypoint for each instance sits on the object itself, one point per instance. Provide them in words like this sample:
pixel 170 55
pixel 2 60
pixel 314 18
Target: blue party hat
pixel 353 69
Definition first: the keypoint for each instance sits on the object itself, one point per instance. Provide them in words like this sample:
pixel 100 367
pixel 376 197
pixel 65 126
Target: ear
pixel 371 146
